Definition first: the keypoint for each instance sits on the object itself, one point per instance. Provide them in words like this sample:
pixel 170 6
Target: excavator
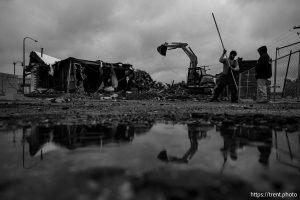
pixel 198 81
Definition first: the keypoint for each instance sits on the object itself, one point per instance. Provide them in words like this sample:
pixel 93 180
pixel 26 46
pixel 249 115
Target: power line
pixel 274 40
pixel 286 38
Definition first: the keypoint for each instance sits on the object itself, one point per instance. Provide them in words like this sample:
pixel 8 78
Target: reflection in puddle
pixel 195 132
pixel 251 153
pixel 72 137
pixel 236 139
pixel 42 140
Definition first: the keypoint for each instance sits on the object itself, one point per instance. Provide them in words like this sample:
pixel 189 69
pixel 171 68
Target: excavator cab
pixel 194 76
pixel 200 82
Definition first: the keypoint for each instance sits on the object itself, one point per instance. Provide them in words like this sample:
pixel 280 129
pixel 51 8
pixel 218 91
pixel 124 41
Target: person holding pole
pixel 263 71
pixel 228 77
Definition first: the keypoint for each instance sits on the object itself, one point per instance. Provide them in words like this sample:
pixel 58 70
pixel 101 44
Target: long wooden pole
pixel 218 30
pixel 224 49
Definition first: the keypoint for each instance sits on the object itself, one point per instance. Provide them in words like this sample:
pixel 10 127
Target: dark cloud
pixel 130 30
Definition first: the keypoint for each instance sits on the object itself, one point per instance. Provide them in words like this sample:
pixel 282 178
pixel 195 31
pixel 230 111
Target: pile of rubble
pixel 45 93
pixel 143 81
pixel 143 88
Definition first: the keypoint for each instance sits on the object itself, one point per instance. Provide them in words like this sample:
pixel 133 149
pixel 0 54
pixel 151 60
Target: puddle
pixel 263 157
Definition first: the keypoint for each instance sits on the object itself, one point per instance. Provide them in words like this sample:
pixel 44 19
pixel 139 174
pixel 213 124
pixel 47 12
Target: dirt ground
pixel 96 111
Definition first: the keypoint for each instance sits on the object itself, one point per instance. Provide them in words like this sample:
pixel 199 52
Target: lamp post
pixel 24 60
pixel 15 65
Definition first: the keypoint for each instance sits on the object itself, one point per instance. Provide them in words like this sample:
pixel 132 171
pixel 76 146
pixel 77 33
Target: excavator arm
pixel 162 49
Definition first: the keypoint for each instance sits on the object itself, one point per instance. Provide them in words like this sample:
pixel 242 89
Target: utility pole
pixel 275 73
pixel 24 65
pixel 15 66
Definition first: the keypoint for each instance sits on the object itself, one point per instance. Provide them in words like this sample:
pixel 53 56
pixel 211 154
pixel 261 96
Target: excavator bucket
pixel 162 49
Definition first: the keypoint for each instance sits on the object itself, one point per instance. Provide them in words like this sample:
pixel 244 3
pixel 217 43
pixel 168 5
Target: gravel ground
pixel 95 111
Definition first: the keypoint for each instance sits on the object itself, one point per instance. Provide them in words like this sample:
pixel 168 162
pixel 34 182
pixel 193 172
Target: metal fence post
pixel 298 78
pixel 240 81
pixel 275 74
pixel 3 86
pixel 247 84
pixel 286 73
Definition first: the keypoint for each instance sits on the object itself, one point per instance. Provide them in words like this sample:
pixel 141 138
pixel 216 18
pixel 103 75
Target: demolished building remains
pixel 73 74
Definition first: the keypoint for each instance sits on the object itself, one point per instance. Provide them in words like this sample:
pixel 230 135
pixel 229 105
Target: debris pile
pixel 45 93
pixel 143 81
pixel 147 88
pixel 96 79
pixel 177 88
pixel 141 87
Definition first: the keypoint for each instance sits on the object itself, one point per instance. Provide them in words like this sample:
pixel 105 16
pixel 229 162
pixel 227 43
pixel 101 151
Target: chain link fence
pixel 8 84
pixel 247 84
pixel 287 72
pixel 285 82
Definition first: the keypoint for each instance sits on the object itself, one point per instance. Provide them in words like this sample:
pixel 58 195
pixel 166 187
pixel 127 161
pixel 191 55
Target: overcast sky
pixel 129 31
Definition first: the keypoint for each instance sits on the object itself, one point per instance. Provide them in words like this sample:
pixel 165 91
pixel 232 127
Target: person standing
pixel 227 77
pixel 263 71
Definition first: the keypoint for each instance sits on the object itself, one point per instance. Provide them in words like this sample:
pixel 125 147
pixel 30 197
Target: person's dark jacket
pixel 263 69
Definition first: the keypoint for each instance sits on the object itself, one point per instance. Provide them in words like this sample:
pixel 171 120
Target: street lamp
pixel 24 60
pixel 15 65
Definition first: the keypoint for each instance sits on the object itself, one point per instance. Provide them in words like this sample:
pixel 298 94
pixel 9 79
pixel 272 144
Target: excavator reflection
pixel 241 138
pixel 195 132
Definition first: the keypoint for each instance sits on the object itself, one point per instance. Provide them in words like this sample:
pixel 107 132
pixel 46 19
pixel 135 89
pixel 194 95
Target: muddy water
pixel 267 159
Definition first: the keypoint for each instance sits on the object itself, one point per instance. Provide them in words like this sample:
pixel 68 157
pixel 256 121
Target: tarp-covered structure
pixel 73 74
